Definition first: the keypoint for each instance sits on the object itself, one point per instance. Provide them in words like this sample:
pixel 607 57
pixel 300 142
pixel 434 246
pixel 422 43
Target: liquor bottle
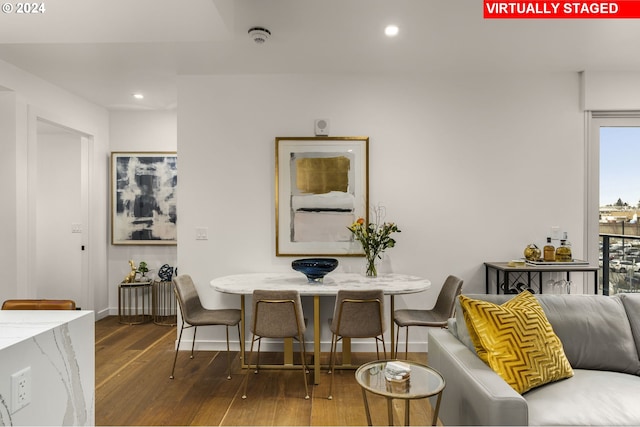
pixel 563 252
pixel 567 243
pixel 549 251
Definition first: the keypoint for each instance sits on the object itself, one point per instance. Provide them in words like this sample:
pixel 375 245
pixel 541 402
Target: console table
pixel 503 268
pixel 245 284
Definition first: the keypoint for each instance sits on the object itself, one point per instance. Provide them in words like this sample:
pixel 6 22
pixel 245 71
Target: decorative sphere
pixel 532 252
pixel 165 273
pixel 315 268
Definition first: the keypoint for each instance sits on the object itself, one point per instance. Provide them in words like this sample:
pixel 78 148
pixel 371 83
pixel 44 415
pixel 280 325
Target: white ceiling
pixel 105 50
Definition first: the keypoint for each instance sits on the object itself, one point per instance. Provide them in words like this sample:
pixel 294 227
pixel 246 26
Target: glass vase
pixel 371 267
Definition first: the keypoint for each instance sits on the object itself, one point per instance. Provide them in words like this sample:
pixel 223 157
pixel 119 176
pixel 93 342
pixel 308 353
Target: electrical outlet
pixel 20 389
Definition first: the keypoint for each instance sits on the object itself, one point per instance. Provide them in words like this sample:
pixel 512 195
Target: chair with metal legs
pixel 277 314
pixel 357 314
pixel 194 315
pixel 437 317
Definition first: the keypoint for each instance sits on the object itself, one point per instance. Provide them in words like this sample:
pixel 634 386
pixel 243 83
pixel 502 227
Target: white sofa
pixel 601 339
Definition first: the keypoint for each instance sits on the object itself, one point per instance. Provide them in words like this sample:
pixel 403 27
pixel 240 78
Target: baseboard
pixel 104 313
pixel 275 346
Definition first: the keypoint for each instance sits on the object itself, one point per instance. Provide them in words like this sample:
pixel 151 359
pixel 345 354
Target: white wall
pixel 140 131
pixel 25 99
pixel 35 98
pixel 8 178
pixel 471 166
pixel 461 162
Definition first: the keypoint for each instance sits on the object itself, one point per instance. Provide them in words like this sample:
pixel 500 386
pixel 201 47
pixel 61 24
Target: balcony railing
pixel 619 263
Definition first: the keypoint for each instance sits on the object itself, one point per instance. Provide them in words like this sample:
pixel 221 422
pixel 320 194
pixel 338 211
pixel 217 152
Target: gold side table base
pixel 134 303
pixel 164 307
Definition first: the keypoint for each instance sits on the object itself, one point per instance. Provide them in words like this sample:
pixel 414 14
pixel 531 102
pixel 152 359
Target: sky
pixel 619 165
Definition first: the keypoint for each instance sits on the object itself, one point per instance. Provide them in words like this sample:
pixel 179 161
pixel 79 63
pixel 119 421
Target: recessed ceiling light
pixel 391 30
pixel 138 96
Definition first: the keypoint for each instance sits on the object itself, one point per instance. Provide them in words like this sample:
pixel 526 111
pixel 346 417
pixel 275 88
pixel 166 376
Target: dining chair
pixel 356 314
pixel 277 314
pixel 436 317
pixel 194 314
pixel 39 304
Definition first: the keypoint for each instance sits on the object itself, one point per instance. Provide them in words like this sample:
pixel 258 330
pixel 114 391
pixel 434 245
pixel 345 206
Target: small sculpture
pixel 131 277
pixel 165 273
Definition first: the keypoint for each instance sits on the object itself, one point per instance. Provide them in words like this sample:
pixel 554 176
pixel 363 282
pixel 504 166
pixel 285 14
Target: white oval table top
pixel 390 284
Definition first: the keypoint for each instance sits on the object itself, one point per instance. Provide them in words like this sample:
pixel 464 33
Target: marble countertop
pixel 391 284
pixel 19 325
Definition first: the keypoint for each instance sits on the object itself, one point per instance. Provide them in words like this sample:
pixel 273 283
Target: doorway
pixel 60 257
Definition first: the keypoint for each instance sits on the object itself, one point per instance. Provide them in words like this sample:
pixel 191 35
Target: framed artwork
pixel 143 198
pixel 322 187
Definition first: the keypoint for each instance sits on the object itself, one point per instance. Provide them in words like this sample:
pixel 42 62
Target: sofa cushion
pixel 590 397
pixel 594 330
pixel 631 304
pixel 519 342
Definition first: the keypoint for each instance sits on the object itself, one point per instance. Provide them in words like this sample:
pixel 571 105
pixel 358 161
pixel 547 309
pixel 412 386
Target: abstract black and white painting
pixel 322 188
pixel 143 198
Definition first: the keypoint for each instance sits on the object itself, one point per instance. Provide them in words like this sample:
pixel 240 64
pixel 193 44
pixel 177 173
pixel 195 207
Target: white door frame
pixel 86 291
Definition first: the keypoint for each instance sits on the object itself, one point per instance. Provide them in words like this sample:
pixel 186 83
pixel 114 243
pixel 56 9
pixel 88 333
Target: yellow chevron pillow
pixel 517 341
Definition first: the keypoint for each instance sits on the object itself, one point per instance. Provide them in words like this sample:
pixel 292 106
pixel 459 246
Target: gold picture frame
pixel 321 188
pixel 143 198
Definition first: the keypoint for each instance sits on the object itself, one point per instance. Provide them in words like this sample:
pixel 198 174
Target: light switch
pixel 202 233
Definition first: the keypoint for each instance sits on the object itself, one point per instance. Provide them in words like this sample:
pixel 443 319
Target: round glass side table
pixel 422 383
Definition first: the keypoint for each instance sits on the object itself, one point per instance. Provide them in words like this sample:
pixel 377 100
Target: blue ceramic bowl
pixel 315 268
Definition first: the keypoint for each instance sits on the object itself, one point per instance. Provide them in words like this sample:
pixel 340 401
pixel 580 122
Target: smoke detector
pixel 259 34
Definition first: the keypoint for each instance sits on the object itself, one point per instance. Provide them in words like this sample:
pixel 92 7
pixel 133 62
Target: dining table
pixel 391 284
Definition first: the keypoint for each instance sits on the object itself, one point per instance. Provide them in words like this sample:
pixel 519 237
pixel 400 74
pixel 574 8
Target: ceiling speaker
pixel 322 127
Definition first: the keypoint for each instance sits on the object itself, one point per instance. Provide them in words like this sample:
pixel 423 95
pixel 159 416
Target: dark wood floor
pixel 133 388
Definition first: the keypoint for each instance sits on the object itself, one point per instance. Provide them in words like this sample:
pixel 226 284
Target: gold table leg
pixel 316 339
pixel 393 338
pixel 366 407
pixel 434 421
pixel 288 351
pixel 406 412
pixel 242 331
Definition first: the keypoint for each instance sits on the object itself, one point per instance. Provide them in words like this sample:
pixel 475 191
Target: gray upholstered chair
pixel 357 314
pixel 194 315
pixel 436 317
pixel 277 314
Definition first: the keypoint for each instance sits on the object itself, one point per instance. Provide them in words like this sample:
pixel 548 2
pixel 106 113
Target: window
pixel 613 199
